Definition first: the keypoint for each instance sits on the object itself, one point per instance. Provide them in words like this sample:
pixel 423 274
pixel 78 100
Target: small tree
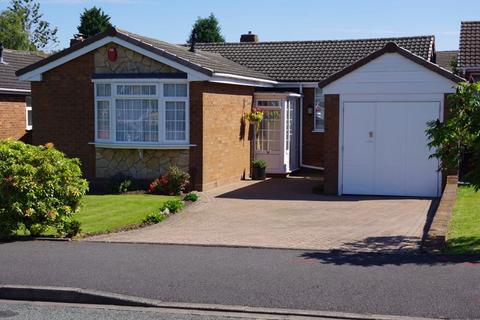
pixel 93 21
pixel 206 30
pixel 460 133
pixel 12 34
pixel 39 187
pixel 40 32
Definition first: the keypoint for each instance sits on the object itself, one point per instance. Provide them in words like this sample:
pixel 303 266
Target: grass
pixel 464 229
pixel 104 213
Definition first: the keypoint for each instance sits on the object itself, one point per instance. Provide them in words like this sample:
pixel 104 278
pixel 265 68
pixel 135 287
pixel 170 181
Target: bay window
pixel 138 113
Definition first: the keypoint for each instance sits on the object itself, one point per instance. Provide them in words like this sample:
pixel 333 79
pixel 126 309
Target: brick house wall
pixel 332 104
pixel 13 117
pixel 222 151
pixel 313 142
pixel 63 111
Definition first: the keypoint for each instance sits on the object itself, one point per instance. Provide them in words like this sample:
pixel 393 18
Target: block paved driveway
pixel 284 213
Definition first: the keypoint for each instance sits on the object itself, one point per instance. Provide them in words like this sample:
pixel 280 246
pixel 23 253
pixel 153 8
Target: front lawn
pixel 103 213
pixel 464 228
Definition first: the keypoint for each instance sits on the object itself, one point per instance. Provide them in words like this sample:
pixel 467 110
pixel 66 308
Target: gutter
pixel 15 90
pixel 227 75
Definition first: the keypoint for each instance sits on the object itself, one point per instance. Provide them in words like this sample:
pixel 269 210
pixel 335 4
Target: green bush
pixel 119 183
pixel 173 206
pixel 154 217
pixel 262 164
pixel 39 187
pixel 191 197
pixel 173 183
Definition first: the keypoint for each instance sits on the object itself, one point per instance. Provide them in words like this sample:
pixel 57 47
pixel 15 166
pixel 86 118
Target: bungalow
pixel 125 103
pixel 15 100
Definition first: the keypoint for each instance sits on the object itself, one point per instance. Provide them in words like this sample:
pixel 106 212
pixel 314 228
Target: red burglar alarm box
pixel 112 54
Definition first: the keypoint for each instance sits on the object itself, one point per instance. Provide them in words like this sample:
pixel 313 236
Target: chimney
pixel 77 38
pixel 1 53
pixel 193 40
pixel 250 37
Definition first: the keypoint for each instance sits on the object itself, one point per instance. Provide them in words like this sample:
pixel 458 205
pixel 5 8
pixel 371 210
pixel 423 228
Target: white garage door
pixel 385 149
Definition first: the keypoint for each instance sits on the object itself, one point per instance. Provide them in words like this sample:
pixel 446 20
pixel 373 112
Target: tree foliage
pixel 93 21
pixel 459 134
pixel 12 34
pixel 22 27
pixel 206 30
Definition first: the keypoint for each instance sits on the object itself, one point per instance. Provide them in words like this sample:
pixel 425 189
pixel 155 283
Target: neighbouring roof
pixel 12 61
pixel 469 55
pixel 443 58
pixel 207 63
pixel 311 60
pixel 391 47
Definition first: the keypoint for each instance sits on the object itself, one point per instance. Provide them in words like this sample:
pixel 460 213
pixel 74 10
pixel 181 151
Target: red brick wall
pixel 332 128
pixel 222 154
pixel 63 110
pixel 12 117
pixel 313 142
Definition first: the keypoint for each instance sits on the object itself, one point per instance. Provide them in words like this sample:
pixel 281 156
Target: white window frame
pixel 161 109
pixel 27 109
pixel 316 95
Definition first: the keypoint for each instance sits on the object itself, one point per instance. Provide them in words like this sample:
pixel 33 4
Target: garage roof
pixel 392 47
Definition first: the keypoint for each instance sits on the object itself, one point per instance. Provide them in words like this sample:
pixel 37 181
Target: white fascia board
pixel 276 94
pixel 240 82
pixel 15 90
pixel 35 75
pixel 297 84
pixel 227 75
pixel 139 80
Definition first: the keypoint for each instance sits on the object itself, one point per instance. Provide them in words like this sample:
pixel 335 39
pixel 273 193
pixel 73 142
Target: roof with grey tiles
pixel 311 60
pixel 205 62
pixel 12 61
pixel 209 60
pixel 469 55
pixel 443 58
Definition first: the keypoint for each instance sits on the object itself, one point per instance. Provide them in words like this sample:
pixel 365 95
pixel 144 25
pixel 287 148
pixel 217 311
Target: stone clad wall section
pixel 128 61
pixel 145 165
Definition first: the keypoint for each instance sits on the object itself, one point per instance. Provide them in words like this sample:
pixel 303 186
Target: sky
pixel 274 20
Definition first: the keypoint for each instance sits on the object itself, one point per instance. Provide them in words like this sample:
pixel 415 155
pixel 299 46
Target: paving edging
pixel 436 236
pixel 93 297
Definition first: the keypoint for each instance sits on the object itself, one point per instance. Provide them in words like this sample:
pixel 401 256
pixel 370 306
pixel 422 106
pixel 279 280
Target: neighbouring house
pixel 125 103
pixel 15 99
pixel 469 51
pixel 445 58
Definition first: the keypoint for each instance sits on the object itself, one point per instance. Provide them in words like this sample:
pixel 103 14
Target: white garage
pixel 384 104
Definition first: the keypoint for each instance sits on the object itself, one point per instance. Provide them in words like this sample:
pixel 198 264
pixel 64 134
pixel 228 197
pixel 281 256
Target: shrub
pixel 39 187
pixel 318 189
pixel 72 228
pixel 173 206
pixel 262 164
pixel 119 183
pixel 124 186
pixel 173 183
pixel 153 218
pixel 191 197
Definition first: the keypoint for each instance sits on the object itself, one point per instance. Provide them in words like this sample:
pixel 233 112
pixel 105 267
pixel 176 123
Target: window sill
pixel 140 146
pixel 318 131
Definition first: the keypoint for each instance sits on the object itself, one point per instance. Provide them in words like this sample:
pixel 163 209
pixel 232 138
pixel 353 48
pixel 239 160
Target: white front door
pixel 268 144
pixel 385 149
